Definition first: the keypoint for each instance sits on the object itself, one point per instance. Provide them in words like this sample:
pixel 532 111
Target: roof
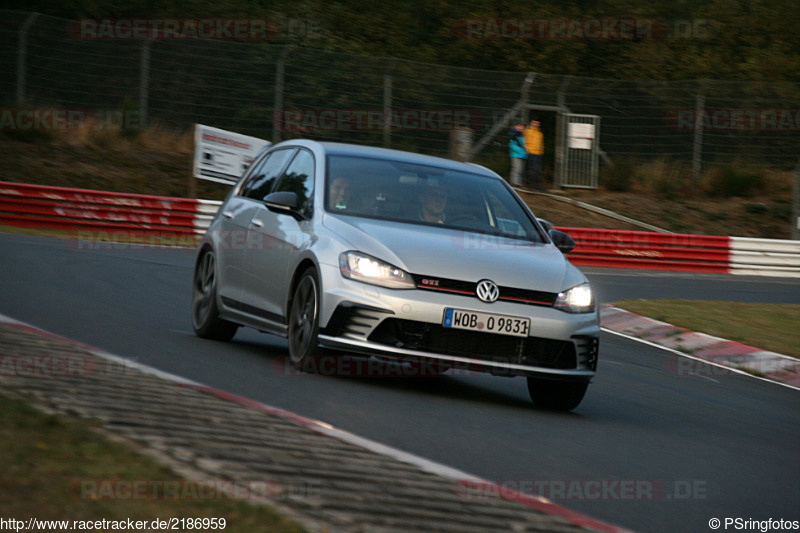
pixel 395 155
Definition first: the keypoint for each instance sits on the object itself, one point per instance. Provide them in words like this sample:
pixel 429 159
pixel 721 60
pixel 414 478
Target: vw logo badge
pixel 487 291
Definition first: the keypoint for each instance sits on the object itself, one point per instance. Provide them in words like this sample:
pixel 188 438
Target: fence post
pixel 796 204
pixel 277 118
pixel 387 105
pixel 524 98
pixel 697 148
pixel 518 109
pixel 561 133
pixel 144 81
pixel 22 56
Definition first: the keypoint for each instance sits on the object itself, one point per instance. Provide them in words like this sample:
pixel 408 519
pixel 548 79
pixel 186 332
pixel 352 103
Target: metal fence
pixel 276 92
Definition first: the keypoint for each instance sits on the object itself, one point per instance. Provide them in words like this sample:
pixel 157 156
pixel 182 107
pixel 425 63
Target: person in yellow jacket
pixel 534 145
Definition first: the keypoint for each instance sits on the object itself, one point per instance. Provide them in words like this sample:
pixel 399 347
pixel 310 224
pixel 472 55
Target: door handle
pixel 257 223
pixel 227 214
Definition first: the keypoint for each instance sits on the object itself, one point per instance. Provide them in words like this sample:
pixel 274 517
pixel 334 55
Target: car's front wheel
pixel 304 320
pixel 556 395
pixel 205 315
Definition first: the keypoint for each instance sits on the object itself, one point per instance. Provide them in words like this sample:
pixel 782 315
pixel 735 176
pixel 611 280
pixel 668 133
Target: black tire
pixel 556 395
pixel 303 328
pixel 205 314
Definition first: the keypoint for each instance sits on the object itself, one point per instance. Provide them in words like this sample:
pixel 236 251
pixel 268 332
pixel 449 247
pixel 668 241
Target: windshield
pixel 420 194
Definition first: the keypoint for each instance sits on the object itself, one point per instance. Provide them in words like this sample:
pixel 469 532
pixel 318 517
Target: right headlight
pixel 578 299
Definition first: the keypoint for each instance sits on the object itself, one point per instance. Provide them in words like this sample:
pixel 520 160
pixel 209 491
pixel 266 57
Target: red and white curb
pixel 734 356
pixel 461 478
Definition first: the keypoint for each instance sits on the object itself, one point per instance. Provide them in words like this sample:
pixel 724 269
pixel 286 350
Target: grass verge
pixel 48 461
pixel 771 327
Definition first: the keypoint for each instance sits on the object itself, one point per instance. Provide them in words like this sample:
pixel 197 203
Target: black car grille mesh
pixel 353 321
pixel 434 338
pixel 587 347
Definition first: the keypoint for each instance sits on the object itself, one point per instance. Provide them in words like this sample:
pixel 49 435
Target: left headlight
pixel 578 299
pixel 362 267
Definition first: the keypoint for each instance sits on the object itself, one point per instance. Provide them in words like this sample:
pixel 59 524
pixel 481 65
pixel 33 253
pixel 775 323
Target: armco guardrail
pixel 647 250
pixel 684 253
pixel 765 257
pixel 100 215
pixel 131 215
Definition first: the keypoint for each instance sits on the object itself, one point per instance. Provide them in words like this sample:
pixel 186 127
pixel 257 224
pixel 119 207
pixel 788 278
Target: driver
pixel 339 193
pixel 433 201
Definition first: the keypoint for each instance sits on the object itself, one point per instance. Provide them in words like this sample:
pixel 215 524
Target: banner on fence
pixel 223 156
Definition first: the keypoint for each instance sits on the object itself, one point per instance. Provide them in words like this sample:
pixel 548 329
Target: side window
pixel 263 177
pixel 299 179
pixel 251 172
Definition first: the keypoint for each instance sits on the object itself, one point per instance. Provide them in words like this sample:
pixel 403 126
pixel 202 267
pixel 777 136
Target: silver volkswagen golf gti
pixel 407 257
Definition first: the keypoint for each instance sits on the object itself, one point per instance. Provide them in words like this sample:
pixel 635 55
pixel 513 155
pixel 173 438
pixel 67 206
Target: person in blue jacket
pixel 518 154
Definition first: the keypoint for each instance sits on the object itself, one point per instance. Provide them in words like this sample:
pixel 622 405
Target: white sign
pixel 223 156
pixel 581 135
pixel 580 144
pixel 582 130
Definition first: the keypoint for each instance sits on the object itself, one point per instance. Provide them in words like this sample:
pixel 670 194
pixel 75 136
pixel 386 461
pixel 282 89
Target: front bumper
pixel 407 324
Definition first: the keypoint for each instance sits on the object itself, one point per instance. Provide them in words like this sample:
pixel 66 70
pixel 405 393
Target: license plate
pixel 487 322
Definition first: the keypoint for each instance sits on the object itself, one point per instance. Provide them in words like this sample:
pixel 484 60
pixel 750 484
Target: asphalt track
pixel 658 444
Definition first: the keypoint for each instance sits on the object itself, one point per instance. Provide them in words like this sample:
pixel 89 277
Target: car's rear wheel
pixel 556 395
pixel 304 321
pixel 205 315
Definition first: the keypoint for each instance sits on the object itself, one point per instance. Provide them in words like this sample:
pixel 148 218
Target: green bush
pixel 30 131
pixel 735 180
pixel 781 211
pixel 716 216
pixel 756 209
pixel 673 185
pixel 620 177
pixel 28 136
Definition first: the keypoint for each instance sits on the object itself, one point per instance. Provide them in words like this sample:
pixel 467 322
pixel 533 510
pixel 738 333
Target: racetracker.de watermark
pixel 237 29
pixel 306 120
pixel 150 239
pixel 734 119
pixel 345 365
pixel 61 366
pixel 182 490
pixel 585 489
pixel 581 29
pixel 759 366
pixel 67 119
pixel 487 242
pixel 131 240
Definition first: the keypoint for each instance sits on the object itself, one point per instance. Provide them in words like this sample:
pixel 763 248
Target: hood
pixel 455 254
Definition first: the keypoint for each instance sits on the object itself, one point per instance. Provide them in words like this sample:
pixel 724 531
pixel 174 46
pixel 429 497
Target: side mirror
pixel 563 242
pixel 284 202
pixel 546 224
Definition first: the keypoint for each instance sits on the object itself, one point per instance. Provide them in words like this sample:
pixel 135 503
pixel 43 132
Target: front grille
pixel 434 338
pixel 467 288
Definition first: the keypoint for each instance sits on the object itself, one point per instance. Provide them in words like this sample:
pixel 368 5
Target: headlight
pixel 576 300
pixel 361 267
